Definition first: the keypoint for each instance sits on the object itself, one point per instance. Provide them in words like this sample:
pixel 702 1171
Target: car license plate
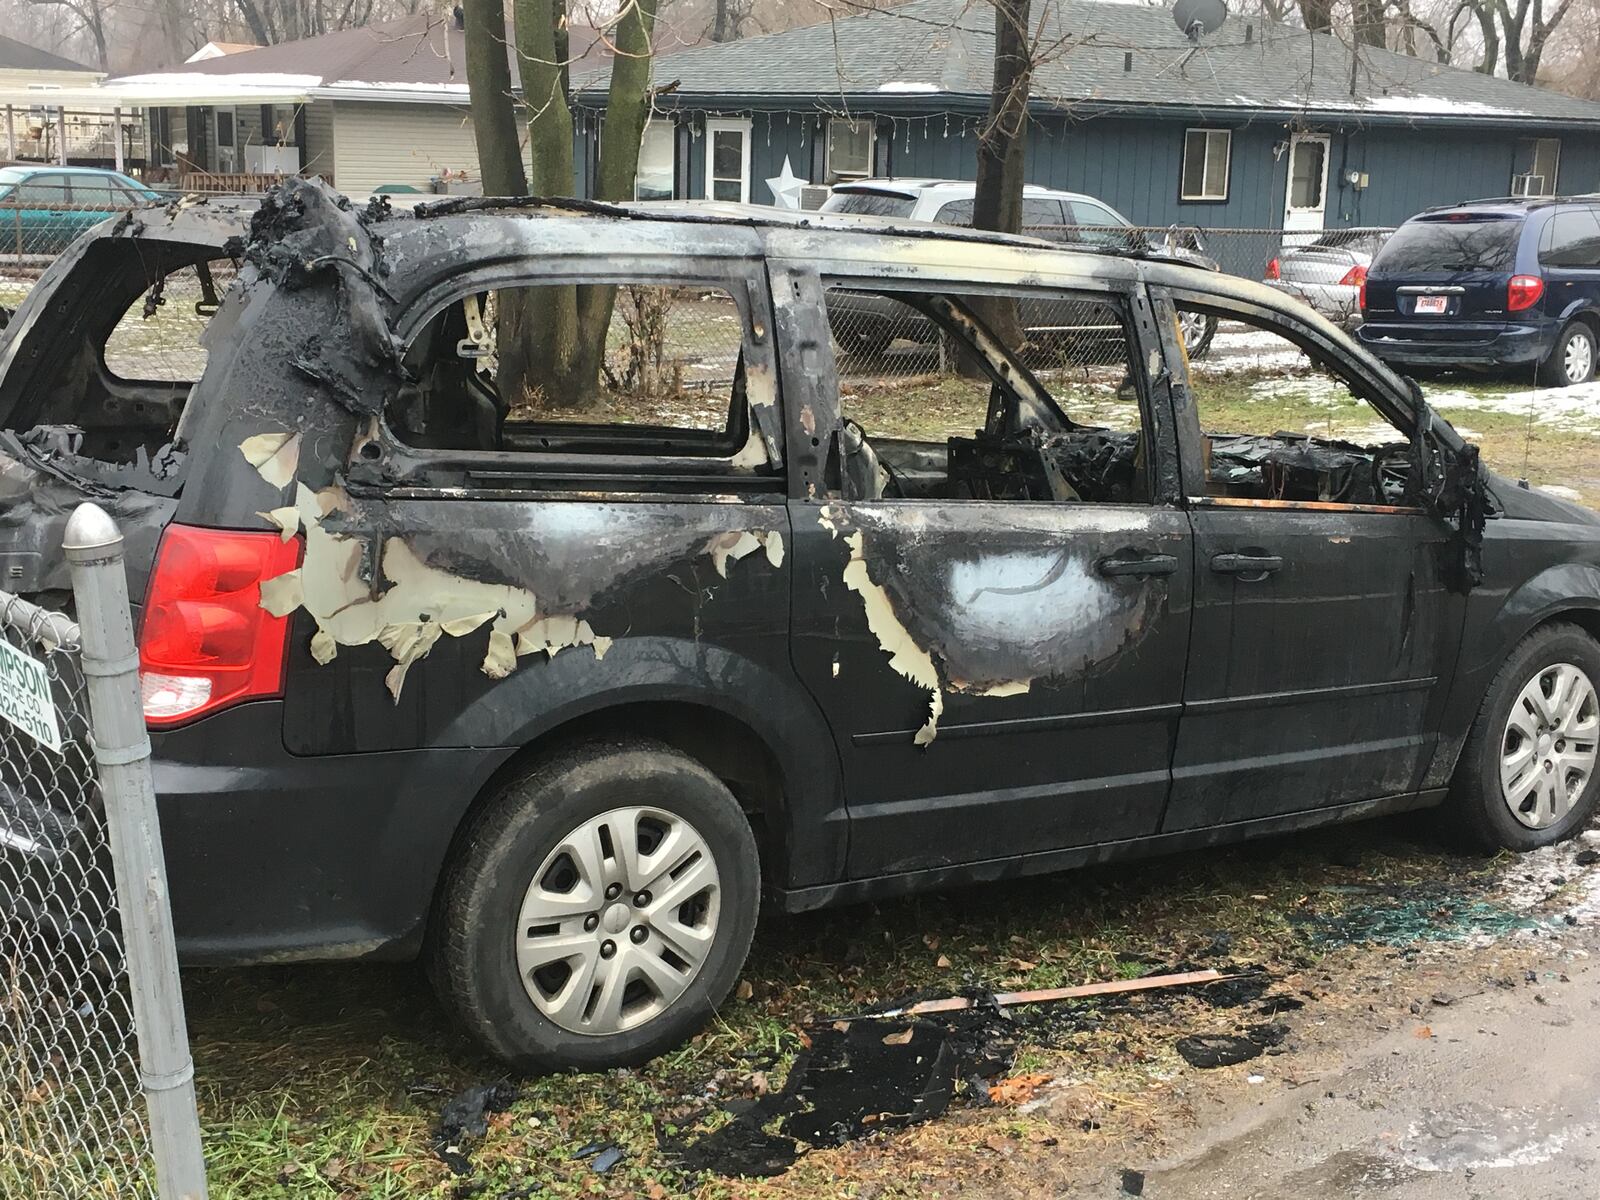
pixel 1431 304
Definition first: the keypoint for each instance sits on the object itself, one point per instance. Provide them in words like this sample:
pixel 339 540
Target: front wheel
pixel 1527 775
pixel 599 909
pixel 1573 359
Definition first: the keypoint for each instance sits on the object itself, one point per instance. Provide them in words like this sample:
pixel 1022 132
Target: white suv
pixel 1069 218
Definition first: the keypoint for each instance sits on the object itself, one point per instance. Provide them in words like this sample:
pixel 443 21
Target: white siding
pixel 319 157
pixel 382 143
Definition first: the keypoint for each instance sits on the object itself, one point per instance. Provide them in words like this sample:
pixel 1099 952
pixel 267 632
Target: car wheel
pixel 1573 359
pixel 598 910
pixel 1198 330
pixel 1527 775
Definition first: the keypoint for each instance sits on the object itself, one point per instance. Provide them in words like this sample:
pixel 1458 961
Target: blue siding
pixel 1134 164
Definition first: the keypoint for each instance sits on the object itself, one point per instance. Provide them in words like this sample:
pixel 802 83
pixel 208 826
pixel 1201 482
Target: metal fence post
pixel 93 548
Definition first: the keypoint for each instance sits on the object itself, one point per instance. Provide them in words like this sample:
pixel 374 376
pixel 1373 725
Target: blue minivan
pixel 1510 284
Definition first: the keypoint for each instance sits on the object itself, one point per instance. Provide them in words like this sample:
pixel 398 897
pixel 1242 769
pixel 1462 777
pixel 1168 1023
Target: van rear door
pixel 1443 276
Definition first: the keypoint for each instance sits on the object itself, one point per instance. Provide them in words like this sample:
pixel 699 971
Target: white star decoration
pixel 786 187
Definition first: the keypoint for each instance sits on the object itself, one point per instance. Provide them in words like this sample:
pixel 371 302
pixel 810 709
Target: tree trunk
pixel 997 201
pixel 719 24
pixel 541 367
pixel 1370 29
pixel 1318 15
pixel 627 107
pixel 494 122
pixel 494 128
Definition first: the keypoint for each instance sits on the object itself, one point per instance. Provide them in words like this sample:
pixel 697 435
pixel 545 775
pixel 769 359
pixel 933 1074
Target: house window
pixel 1205 164
pixel 653 181
pixel 849 149
pixel 1539 161
pixel 728 160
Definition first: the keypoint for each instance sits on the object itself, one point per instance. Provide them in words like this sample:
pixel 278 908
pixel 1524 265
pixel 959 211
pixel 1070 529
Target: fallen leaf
pixel 1019 1089
pixel 1422 1031
pixel 656 1192
pixel 998 1144
pixel 1023 964
pixel 898 1039
pixel 943 963
pixel 745 990
pixel 930 941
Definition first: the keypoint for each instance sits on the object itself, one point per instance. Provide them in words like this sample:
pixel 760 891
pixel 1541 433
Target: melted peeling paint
pixel 735 544
pixel 421 603
pixel 990 622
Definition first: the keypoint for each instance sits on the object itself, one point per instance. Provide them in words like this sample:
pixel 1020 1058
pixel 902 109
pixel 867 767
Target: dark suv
pixel 436 663
pixel 1495 284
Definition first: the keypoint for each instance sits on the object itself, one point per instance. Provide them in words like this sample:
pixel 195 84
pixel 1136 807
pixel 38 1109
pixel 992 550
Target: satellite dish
pixel 1197 17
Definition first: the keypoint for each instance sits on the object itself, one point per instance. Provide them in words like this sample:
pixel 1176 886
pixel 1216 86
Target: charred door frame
pixel 1365 385
pixel 1048 814
pixel 743 279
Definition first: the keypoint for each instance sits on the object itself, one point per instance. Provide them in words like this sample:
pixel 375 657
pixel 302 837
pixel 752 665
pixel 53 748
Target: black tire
pixel 1553 371
pixel 1477 813
pixel 471 955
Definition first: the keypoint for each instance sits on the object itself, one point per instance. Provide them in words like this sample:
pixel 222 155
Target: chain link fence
pixel 96 1089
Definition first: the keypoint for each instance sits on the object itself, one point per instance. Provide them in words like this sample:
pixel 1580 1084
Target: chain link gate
pixel 90 1008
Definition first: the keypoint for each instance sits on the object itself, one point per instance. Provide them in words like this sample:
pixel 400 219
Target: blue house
pixel 1256 126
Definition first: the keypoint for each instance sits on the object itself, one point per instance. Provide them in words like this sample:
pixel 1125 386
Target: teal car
pixel 43 208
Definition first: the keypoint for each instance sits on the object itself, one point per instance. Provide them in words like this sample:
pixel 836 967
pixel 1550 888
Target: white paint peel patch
pixel 737 543
pixel 421 605
pixel 906 657
pixel 274 456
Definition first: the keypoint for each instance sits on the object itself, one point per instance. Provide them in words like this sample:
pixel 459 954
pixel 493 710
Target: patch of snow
pixel 1559 492
pixel 370 85
pixel 905 87
pixel 1569 407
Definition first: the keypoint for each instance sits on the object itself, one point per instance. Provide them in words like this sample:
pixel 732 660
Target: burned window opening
pixel 677 398
pixel 1063 351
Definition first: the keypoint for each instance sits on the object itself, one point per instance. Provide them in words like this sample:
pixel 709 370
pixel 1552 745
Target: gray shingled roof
pixel 20 56
pixel 928 48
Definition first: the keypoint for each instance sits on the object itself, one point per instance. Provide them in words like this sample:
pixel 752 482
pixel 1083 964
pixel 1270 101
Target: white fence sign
pixel 25 698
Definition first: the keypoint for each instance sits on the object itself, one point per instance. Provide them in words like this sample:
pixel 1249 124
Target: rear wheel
pixel 1573 359
pixel 599 910
pixel 1527 775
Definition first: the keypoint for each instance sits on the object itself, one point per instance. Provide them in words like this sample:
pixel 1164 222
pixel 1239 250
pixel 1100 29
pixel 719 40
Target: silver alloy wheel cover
pixel 1550 745
pixel 1578 361
pixel 1193 325
pixel 570 928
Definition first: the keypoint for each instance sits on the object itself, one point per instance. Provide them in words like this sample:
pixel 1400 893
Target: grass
pixel 326 1081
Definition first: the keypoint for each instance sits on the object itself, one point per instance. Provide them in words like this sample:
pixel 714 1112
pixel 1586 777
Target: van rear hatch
pixel 1443 277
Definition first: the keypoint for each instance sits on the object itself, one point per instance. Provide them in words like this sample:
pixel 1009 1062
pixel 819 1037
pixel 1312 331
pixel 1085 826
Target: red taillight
pixel 1274 271
pixel 206 642
pixel 1356 276
pixel 1523 292
pixel 1361 293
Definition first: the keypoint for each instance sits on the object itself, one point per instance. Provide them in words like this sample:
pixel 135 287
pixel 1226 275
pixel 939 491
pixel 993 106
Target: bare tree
pixel 92 16
pixel 561 367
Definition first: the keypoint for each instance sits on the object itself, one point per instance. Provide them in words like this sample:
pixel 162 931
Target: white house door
pixel 226 140
pixel 1308 181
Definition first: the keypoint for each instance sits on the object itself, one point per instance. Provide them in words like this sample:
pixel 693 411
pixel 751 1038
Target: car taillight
pixel 1523 292
pixel 1274 271
pixel 1356 276
pixel 1361 293
pixel 206 642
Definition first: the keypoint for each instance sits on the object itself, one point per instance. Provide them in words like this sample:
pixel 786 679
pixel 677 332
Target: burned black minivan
pixel 550 656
